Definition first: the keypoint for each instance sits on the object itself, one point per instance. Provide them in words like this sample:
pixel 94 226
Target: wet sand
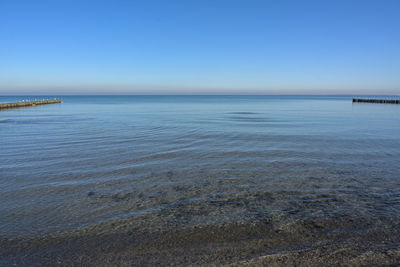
pixel 166 239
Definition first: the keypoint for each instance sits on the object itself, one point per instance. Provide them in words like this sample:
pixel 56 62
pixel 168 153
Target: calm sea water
pixel 210 159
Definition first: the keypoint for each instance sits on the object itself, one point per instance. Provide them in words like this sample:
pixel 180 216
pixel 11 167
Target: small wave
pixel 244 113
pixel 250 119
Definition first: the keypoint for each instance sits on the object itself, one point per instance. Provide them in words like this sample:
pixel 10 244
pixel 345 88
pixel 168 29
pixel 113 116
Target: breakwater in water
pixel 378 101
pixel 28 103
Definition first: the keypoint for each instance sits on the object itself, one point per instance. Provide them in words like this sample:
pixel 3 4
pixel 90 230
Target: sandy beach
pixel 159 240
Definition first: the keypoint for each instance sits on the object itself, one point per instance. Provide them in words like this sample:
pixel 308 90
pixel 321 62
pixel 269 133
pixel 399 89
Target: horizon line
pixel 201 94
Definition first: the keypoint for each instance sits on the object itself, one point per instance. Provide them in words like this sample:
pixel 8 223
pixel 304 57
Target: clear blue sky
pixel 200 46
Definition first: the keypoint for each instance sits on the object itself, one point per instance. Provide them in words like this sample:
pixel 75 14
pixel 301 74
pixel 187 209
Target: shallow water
pixel 194 161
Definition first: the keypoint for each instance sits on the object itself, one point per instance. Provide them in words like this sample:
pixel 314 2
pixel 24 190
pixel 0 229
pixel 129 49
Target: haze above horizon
pixel 199 47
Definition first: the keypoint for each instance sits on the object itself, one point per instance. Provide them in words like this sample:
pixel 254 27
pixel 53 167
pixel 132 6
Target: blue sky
pixel 200 46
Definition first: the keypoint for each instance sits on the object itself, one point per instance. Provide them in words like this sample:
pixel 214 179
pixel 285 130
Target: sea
pixel 309 171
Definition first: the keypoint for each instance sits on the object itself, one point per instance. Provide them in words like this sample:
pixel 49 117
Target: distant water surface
pixel 196 160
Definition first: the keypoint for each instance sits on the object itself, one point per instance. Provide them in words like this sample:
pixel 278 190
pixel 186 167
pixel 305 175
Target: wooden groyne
pixel 28 103
pixel 378 101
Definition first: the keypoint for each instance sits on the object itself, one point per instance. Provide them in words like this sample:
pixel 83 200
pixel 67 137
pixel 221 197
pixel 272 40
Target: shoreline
pixel 145 240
